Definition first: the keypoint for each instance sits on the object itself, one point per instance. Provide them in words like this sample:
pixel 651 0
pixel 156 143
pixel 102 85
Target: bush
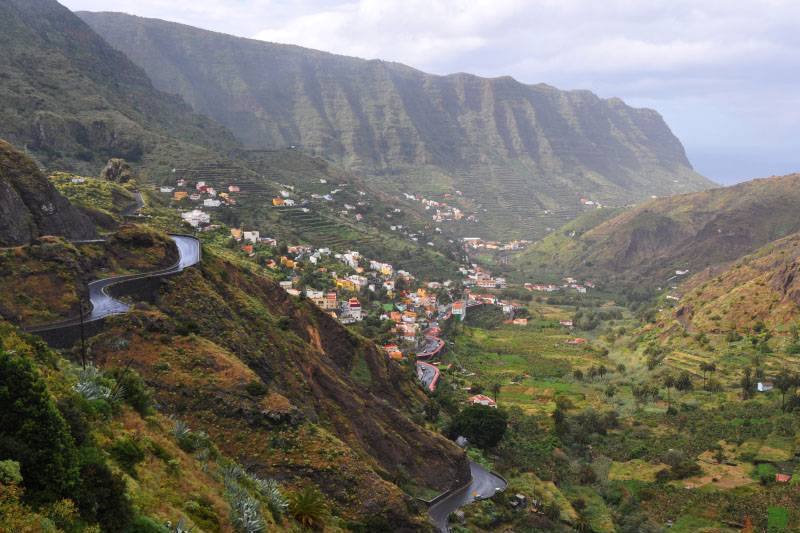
pixel 127 453
pixel 256 388
pixel 308 507
pixel 9 473
pixel 144 524
pixel 101 497
pixel 33 432
pixel 134 391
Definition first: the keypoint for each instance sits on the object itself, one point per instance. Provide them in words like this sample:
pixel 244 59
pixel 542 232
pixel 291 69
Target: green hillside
pixel 649 243
pixel 526 154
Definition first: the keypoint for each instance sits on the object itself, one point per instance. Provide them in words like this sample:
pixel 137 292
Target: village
pixel 391 305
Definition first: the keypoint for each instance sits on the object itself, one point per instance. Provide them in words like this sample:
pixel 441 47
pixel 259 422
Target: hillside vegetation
pixel 74 101
pixel 525 153
pixel 761 288
pixel 687 232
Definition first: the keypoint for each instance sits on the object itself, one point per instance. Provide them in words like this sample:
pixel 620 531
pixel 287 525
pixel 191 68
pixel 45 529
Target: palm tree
pixel 707 367
pixel 669 382
pixel 785 381
pixel 308 507
pixel 496 391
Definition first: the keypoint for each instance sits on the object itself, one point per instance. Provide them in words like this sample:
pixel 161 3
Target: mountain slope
pixel 30 206
pixel 761 287
pixel 688 232
pixel 517 150
pixel 74 101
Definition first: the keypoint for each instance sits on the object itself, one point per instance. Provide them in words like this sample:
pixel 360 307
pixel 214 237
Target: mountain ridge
pixel 525 153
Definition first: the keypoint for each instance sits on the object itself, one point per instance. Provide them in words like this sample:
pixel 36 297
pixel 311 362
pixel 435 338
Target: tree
pixel 33 432
pixel 747 384
pixel 482 425
pixel 578 374
pixel 706 367
pixel 602 371
pixel 669 382
pixel 496 390
pixel 684 382
pixel 785 381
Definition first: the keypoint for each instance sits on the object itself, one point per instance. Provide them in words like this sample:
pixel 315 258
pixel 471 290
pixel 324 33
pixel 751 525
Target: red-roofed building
pixel 482 399
pixel 783 478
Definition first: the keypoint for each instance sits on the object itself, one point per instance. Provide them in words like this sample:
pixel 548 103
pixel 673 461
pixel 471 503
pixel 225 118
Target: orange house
pixel 277 202
pixel 180 195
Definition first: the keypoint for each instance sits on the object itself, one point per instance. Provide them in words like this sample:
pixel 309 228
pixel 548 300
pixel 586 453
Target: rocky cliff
pixel 526 153
pixel 74 101
pixel 30 206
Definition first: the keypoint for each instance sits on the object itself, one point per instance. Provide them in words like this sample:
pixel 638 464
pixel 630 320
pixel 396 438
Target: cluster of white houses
pixel 568 283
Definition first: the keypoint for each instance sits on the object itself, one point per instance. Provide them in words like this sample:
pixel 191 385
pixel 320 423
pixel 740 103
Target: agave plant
pixel 89 385
pixel 245 512
pixel 270 491
pixel 180 429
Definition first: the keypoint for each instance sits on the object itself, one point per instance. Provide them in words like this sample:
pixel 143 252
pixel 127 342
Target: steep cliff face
pixel 518 150
pixel 30 206
pixel 74 101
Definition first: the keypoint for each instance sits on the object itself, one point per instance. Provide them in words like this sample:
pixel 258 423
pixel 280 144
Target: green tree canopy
pixel 483 426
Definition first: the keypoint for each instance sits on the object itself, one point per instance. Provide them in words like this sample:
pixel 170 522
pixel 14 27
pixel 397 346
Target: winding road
pixel 484 485
pixel 103 304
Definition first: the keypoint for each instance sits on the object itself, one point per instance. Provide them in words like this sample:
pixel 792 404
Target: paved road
pixel 484 485
pixel 428 375
pixel 104 305
pixel 132 210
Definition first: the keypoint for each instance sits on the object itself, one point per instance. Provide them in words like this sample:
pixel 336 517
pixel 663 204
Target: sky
pixel 723 73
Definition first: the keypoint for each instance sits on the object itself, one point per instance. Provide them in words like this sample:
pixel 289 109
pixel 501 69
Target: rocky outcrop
pixel 118 171
pixel 30 206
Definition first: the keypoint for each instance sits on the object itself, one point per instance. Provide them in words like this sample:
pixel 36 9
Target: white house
pixel 196 218
pixel 252 236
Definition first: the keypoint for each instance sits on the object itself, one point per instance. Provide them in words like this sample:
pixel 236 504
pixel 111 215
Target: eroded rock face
pixel 117 170
pixel 30 206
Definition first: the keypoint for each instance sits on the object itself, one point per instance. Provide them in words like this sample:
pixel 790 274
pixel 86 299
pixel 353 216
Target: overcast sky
pixel 724 73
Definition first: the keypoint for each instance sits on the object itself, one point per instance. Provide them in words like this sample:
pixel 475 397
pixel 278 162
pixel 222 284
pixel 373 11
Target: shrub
pixel 9 472
pixel 101 497
pixel 33 432
pixel 308 507
pixel 134 391
pixel 256 388
pixel 127 453
pixel 144 524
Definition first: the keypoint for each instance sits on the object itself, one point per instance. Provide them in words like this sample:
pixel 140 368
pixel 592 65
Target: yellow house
pixel 236 234
pixel 346 284
pixel 180 195
pixel 288 263
pixel 277 202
